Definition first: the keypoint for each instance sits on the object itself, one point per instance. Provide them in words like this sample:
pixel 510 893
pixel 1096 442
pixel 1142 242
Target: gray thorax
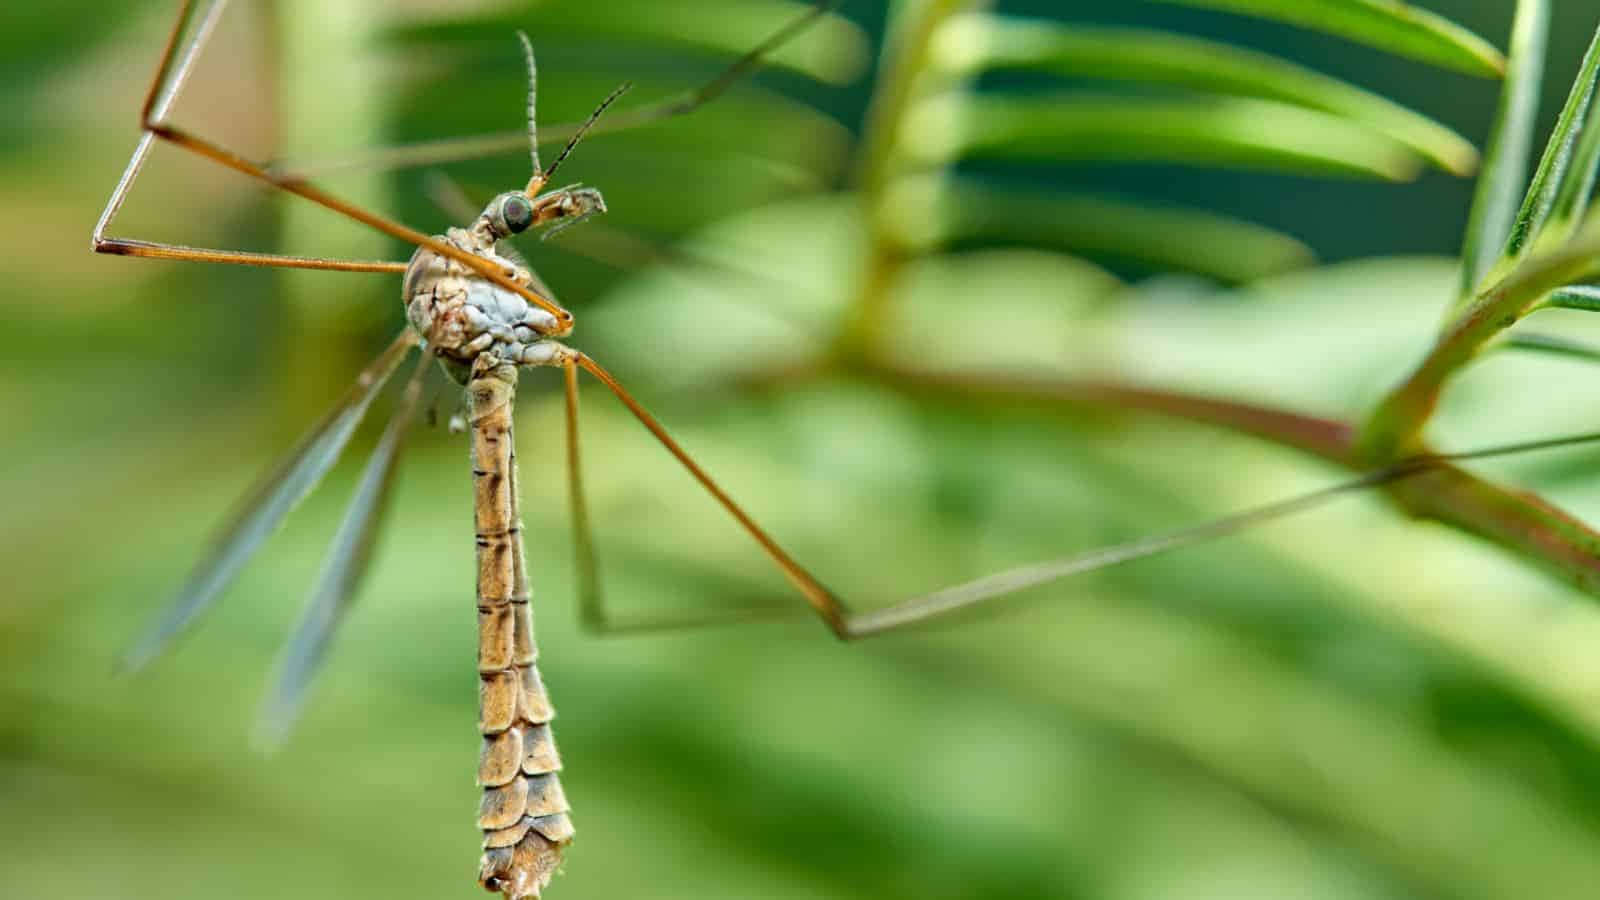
pixel 464 316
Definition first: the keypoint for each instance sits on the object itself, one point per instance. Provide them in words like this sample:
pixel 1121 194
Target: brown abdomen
pixel 523 812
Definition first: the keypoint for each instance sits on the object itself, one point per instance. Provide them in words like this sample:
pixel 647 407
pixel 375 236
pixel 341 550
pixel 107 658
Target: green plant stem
pixel 1520 522
pixel 905 56
pixel 912 27
pixel 1395 427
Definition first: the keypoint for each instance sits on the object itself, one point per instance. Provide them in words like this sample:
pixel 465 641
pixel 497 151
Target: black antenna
pixel 584 128
pixel 533 92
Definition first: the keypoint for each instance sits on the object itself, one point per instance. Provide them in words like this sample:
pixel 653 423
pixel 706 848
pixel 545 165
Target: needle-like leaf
pixel 1569 154
pixel 1401 28
pixel 1212 131
pixel 1576 182
pixel 977 42
pixel 1575 296
pixel 1506 156
pixel 930 210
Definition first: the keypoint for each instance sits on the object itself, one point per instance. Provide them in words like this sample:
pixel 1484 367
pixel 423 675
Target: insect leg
pixel 162 92
pixel 848 625
pixel 170 76
pixel 592 610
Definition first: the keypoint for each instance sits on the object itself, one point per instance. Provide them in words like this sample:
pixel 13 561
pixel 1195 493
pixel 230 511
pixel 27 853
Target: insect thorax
pixel 464 316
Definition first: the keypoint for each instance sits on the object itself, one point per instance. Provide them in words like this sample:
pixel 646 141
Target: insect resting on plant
pixel 482 312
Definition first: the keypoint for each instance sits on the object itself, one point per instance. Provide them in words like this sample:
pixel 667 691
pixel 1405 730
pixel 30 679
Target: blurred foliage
pixel 1344 705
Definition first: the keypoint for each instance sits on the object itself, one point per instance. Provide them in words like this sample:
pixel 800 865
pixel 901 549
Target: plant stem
pixel 1395 427
pixel 912 26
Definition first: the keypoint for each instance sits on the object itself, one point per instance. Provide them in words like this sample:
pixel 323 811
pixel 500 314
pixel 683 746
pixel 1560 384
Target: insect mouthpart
pixel 568 206
pixel 570 203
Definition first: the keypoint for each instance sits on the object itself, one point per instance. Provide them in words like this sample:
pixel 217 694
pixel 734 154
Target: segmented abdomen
pixel 523 812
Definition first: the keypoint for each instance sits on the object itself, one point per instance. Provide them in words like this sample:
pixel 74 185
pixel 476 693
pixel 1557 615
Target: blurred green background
pixel 1345 705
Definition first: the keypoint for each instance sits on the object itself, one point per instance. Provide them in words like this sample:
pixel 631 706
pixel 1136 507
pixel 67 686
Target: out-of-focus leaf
pixel 1550 178
pixel 928 211
pixel 1375 775
pixel 977 41
pixel 1401 28
pixel 1033 303
pixel 833 50
pixel 1506 155
pixel 36 43
pixel 750 145
pixel 1210 131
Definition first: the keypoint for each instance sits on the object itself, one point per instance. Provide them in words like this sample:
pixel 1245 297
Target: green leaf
pixel 1210 131
pixel 833 50
pixel 1577 296
pixel 1399 28
pixel 1577 181
pixel 1550 178
pixel 1506 156
pixel 930 210
pixel 976 42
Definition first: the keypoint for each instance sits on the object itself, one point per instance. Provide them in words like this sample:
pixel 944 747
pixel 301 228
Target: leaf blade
pixel 1491 222
pixel 1400 28
pixel 1208 131
pixel 833 50
pixel 980 41
pixel 928 211
pixel 1544 191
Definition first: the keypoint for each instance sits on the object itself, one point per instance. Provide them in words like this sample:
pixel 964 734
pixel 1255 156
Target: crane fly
pixel 479 310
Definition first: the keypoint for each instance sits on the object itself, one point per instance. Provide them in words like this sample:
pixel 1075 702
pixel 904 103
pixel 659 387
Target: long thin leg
pixel 164 89
pixel 822 600
pixel 592 610
pixel 170 75
pixel 847 625
pixel 436 152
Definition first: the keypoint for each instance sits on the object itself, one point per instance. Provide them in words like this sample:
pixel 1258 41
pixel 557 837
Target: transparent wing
pixel 267 504
pixel 346 563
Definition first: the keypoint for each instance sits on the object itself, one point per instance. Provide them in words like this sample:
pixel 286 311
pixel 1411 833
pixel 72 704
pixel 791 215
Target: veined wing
pixel 268 503
pixel 341 573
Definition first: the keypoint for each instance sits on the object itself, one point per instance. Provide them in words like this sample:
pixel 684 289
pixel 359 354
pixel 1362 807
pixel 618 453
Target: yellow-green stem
pixel 1395 427
pixel 912 26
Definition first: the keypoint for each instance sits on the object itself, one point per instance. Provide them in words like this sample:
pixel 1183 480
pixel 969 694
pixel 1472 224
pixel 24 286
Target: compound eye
pixel 517 213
